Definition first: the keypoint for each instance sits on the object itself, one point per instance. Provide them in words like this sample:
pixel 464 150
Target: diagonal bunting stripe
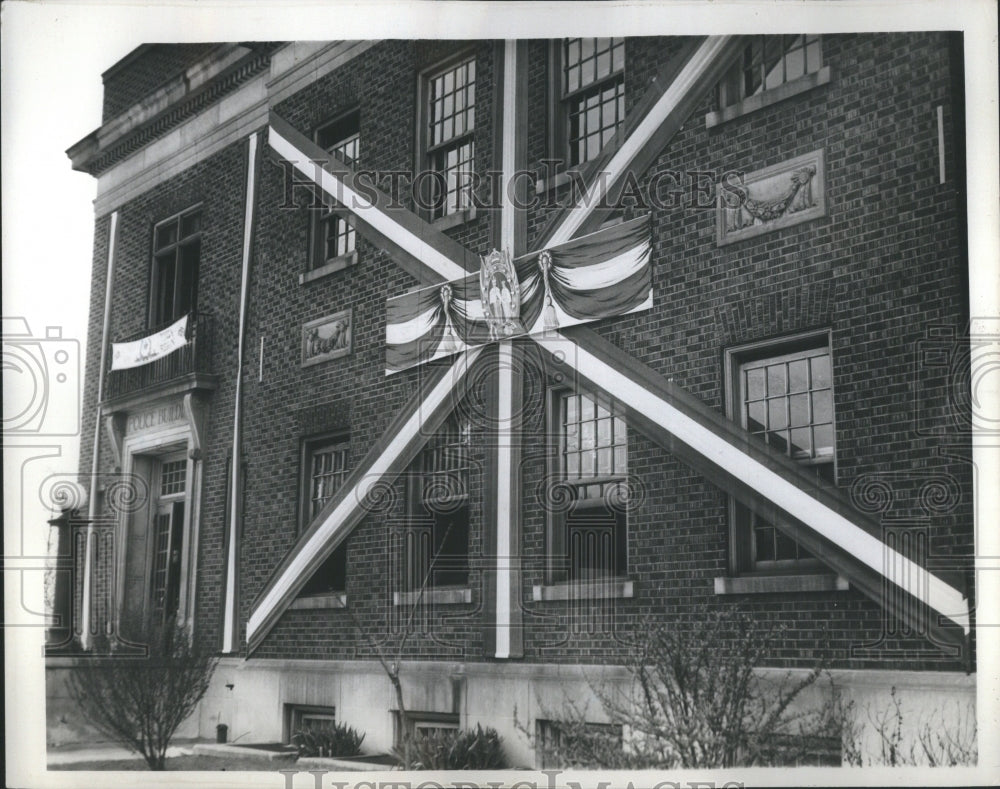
pixel 636 146
pixel 404 437
pixel 717 445
pixel 419 247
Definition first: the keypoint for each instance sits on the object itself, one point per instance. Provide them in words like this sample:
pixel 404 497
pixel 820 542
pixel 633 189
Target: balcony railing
pixel 193 357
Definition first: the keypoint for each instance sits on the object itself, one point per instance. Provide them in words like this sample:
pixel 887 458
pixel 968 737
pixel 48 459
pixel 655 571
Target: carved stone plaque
pixel 326 338
pixel 769 199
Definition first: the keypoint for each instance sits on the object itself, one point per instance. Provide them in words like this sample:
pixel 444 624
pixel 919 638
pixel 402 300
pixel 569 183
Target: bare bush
pixel 695 699
pixel 937 739
pixel 139 697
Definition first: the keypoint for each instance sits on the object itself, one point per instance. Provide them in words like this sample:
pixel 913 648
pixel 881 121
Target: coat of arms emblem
pixel 501 295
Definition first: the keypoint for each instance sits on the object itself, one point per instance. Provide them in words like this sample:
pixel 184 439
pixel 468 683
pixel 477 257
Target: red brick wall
pixel 883 266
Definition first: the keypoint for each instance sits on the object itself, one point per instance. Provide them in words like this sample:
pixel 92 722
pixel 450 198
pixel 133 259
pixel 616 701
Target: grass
pixel 175 763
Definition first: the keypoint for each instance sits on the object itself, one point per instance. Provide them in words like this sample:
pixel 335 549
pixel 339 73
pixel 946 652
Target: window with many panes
pixel 437 541
pixel 591 91
pixel 449 122
pixel 588 533
pixel 168 536
pixel 332 233
pixel 768 62
pixel 174 275
pixel 325 464
pixel 783 394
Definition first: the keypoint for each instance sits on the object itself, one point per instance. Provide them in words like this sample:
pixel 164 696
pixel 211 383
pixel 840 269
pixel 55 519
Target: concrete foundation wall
pixel 252 699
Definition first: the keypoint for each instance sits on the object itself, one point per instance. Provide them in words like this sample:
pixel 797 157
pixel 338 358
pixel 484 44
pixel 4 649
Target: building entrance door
pixel 168 537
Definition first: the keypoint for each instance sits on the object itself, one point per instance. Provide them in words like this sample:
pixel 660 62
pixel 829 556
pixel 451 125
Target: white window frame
pixel 321 220
pixel 430 151
pixel 563 98
pixel 581 489
pixel 454 481
pixel 331 443
pixel 742 535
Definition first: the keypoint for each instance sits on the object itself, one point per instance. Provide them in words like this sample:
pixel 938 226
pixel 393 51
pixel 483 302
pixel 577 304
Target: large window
pixel 437 542
pixel 591 96
pixel 325 467
pixel 588 530
pixel 782 393
pixel 448 129
pixel 174 276
pixel 332 233
pixel 768 62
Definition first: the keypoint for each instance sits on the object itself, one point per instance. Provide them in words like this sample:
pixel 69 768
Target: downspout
pixel 235 467
pixel 85 638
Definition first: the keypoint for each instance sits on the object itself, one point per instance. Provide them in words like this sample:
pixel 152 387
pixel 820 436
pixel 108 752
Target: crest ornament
pixel 500 293
pixel 449 343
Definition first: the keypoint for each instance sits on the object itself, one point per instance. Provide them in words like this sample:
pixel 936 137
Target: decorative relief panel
pixel 772 198
pixel 326 338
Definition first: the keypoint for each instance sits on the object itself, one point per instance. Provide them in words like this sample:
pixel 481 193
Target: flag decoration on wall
pixel 595 276
pixel 139 352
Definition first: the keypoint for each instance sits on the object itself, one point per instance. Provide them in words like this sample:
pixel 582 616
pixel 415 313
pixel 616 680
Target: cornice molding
pixel 95 155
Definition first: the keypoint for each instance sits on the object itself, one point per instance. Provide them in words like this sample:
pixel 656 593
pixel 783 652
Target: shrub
pixel 469 749
pixel 140 695
pixel 337 739
pixel 935 739
pixel 694 699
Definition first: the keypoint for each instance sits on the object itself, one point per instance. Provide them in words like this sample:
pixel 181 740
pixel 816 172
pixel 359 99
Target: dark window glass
pixel 438 542
pixel 174 278
pixel 333 234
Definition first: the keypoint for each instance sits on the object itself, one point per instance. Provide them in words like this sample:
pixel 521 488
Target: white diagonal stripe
pixel 356 202
pixel 356 498
pixel 829 523
pixel 642 133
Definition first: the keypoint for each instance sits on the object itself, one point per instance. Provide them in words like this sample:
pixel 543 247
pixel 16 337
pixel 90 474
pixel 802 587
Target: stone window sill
pixel 454 220
pixel 768 97
pixel 769 584
pixel 590 590
pixel 333 600
pixel 331 266
pixel 445 596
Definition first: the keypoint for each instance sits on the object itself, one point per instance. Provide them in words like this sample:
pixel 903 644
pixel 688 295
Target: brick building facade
pixel 808 265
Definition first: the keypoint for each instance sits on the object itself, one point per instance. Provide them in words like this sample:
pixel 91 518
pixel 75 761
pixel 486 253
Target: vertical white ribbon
pixel 505 378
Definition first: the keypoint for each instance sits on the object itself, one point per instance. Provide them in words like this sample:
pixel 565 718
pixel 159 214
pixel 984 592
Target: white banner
pixel 139 352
